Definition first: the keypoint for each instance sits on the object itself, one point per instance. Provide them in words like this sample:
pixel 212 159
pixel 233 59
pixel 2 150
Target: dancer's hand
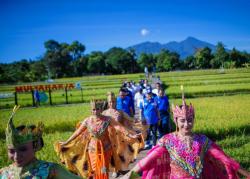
pixel 63 143
pixel 135 136
pixel 244 173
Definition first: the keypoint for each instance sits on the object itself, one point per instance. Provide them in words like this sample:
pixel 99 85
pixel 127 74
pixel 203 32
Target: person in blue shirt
pixel 163 107
pixel 37 98
pixel 152 117
pixel 124 103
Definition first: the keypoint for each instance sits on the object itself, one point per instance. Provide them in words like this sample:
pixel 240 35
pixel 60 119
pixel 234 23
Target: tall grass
pixel 224 119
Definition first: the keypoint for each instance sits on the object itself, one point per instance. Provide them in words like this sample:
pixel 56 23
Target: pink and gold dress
pixel 172 158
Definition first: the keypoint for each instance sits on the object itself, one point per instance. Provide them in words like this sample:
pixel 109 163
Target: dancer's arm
pixel 230 164
pixel 146 162
pixel 244 173
pixel 75 134
pixel 58 172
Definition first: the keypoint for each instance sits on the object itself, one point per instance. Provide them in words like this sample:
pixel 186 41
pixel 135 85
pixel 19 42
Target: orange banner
pixel 27 88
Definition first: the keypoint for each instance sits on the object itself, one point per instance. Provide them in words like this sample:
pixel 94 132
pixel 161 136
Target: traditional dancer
pixel 93 149
pixel 183 154
pixel 22 144
pixel 128 123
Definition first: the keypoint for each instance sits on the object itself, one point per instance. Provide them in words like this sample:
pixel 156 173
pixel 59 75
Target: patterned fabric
pixel 127 127
pixel 191 160
pixel 103 145
pixel 205 160
pixel 96 128
pixel 127 122
pixel 36 170
pixel 115 114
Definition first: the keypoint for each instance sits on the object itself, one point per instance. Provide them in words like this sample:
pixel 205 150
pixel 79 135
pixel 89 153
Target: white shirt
pixel 138 99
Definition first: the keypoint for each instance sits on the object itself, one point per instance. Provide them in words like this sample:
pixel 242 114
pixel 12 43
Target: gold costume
pixel 127 122
pixel 97 149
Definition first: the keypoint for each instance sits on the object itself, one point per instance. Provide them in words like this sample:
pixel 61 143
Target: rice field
pixel 197 84
pixel 221 100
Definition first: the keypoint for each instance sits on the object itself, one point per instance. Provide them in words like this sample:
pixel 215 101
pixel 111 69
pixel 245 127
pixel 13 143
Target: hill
pixel 185 48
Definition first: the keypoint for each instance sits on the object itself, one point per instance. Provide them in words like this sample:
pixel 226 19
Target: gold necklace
pixel 188 140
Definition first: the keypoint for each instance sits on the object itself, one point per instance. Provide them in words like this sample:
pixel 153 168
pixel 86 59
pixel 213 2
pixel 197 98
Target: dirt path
pixel 141 155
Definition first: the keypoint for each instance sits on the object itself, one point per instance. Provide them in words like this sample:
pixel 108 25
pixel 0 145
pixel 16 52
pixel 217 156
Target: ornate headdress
pixel 23 134
pixel 97 104
pixel 111 96
pixel 185 111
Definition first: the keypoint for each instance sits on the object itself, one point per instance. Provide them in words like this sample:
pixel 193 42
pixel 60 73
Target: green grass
pixel 224 119
pixel 197 83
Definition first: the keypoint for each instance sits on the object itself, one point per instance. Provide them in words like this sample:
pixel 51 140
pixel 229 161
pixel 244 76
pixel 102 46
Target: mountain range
pixel 184 48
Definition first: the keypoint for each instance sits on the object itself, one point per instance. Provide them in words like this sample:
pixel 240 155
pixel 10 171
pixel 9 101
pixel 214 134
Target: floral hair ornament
pixel 183 111
pixel 16 137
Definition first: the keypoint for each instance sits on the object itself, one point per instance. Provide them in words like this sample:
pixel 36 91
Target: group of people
pixel 109 140
pixel 105 141
pixel 184 154
pixel 152 104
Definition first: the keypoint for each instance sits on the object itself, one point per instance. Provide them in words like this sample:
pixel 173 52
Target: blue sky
pixel 100 24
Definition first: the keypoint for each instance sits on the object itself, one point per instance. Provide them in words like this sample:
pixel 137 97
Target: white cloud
pixel 144 32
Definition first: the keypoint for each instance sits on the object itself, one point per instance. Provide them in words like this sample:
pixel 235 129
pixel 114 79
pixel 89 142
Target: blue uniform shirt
pixel 150 111
pixel 124 104
pixel 162 103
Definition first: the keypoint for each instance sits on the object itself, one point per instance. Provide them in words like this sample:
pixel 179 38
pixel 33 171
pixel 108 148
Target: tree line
pixel 68 60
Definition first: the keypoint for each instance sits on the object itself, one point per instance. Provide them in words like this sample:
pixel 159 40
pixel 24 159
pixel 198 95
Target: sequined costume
pixel 171 158
pixel 37 169
pixel 192 156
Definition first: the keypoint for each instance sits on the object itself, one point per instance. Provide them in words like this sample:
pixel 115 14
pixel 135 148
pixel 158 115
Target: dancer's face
pixel 185 125
pixel 96 111
pixel 112 104
pixel 22 155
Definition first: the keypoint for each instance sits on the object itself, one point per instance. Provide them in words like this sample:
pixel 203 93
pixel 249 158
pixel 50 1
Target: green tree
pixel 189 63
pixel 96 62
pixel 146 60
pixel 229 64
pixel 220 56
pixel 119 60
pixel 58 59
pixel 52 45
pixel 238 57
pixel 80 66
pixel 76 50
pixel 203 58
pixel 167 60
pixel 134 66
pixel 163 61
pixel 39 70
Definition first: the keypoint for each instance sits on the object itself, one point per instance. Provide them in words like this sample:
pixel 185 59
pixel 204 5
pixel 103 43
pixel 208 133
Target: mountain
pixel 184 48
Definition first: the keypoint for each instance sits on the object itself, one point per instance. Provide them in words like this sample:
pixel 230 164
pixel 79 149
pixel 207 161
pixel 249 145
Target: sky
pixel 100 25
